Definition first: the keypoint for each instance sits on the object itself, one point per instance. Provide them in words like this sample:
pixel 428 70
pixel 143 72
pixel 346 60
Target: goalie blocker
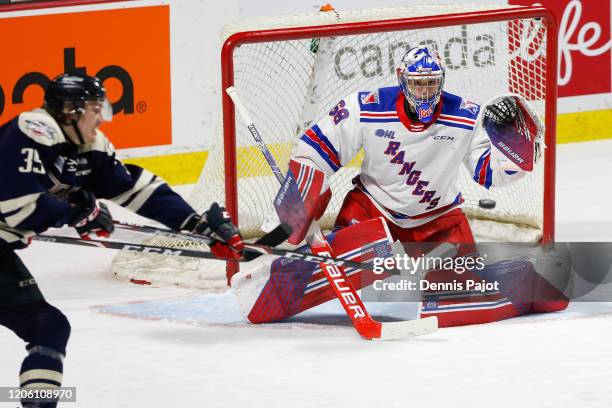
pixel 283 287
pixel 314 189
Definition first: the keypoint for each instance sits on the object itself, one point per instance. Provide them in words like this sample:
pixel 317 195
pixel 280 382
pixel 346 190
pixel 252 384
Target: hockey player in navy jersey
pixel 55 163
pixel 415 136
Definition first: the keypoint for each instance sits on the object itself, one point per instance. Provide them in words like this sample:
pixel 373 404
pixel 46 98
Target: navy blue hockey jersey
pixel 39 167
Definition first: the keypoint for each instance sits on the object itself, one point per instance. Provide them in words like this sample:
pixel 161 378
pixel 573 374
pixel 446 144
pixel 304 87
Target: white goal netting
pixel 286 84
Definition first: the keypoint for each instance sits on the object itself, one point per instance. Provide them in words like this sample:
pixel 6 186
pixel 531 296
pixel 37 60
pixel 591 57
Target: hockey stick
pixel 365 325
pixel 263 246
pixel 129 246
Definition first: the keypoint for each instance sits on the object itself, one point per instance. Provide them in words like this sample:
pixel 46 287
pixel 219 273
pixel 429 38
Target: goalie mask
pixel 421 78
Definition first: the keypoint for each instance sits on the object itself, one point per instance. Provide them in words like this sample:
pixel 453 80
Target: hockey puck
pixel 486 203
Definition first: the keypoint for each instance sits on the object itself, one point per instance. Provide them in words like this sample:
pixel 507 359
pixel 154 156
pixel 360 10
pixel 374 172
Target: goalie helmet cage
pixel 290 70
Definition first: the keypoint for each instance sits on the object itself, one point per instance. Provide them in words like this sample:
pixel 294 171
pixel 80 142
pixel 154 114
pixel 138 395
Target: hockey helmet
pixel 421 78
pixel 73 90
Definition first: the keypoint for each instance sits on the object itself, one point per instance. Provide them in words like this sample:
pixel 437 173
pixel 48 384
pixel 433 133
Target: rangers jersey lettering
pixel 39 168
pixel 409 169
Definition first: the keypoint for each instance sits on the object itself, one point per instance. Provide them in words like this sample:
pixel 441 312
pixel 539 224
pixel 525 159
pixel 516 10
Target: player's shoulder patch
pixel 39 126
pixel 381 100
pixel 469 106
pixel 458 106
pixel 367 98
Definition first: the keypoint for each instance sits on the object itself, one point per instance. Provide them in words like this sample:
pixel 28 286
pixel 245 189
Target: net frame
pixel 305 27
pixel 305 31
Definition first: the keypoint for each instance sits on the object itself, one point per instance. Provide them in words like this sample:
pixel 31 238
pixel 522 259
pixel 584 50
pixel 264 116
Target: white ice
pixel 206 356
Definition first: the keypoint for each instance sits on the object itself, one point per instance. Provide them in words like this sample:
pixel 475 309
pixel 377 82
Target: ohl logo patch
pixel 387 134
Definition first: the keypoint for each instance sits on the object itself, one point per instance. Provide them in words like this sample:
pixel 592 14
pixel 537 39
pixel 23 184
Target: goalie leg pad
pixel 293 286
pixel 464 307
pixel 521 291
pixel 528 291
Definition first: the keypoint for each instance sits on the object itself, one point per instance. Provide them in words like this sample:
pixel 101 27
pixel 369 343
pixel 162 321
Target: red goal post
pixel 411 23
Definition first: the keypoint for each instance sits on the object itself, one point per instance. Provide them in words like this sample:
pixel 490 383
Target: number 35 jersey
pixel 409 169
pixel 39 168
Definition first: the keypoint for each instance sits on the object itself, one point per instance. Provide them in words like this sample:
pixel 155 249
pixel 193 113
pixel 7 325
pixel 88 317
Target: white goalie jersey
pixel 409 169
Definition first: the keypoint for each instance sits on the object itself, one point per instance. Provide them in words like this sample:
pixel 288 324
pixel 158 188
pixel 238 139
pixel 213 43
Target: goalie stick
pixel 365 325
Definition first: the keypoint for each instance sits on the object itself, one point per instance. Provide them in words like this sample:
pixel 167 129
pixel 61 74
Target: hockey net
pixel 290 70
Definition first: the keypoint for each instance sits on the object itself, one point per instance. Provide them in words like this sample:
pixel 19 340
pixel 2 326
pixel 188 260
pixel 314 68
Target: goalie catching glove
pixel 89 215
pixel 217 224
pixel 516 133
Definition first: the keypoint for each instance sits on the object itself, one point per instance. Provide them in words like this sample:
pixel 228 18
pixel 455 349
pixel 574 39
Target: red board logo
pixel 584 45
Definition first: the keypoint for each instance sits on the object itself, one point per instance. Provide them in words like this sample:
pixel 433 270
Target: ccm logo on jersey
pixel 440 137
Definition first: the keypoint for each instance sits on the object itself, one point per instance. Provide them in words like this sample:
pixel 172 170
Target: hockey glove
pixel 516 133
pixel 502 112
pixel 89 215
pixel 217 224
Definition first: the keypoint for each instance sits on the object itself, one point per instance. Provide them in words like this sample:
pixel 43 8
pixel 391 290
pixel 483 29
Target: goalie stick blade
pixel 273 238
pixel 408 328
pixel 276 237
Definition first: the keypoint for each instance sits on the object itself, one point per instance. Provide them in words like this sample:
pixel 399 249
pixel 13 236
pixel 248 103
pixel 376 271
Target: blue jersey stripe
pixel 489 176
pixel 321 152
pixel 479 165
pixel 325 140
pixel 456 125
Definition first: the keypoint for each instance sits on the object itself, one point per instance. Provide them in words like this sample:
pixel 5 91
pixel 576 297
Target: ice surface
pixel 137 346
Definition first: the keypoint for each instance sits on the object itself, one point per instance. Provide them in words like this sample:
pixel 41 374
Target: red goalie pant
pixel 470 308
pixel 294 286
